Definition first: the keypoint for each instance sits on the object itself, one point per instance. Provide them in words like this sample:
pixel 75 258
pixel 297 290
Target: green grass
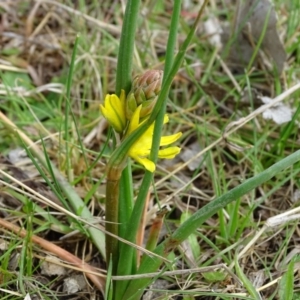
pixel 70 134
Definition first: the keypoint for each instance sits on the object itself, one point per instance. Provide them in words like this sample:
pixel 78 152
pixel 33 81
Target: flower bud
pixel 144 91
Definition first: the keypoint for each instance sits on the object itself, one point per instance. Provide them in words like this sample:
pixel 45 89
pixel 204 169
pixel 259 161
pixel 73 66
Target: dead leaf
pixel 74 284
pixel 213 29
pixel 296 196
pixel 153 292
pixel 14 261
pixel 279 113
pixel 51 267
pixel 251 18
pixel 4 245
pixel 257 278
pixel 189 153
pixel 27 297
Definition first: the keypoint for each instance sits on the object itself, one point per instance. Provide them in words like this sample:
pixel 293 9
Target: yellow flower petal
pixel 166 119
pixel 147 163
pixel 109 115
pixel 169 139
pixel 134 121
pixel 140 150
pixel 137 150
pixel 114 111
pixel 168 153
pixel 123 99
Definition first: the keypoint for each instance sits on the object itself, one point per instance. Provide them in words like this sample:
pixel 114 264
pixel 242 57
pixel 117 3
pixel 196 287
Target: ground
pixel 54 140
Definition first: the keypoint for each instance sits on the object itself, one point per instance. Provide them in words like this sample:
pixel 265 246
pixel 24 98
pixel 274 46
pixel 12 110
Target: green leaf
pixel 214 276
pixel 11 51
pixel 13 79
pixel 192 239
pixel 286 284
pixel 247 283
pixel 109 282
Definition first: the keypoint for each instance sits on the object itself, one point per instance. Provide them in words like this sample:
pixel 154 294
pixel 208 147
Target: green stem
pixel 111 224
pixel 125 200
pixel 68 105
pixel 125 56
pixel 168 66
pixel 172 38
pixel 116 163
pixel 112 213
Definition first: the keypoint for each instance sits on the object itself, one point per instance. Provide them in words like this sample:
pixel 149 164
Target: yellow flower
pixel 140 150
pixel 113 111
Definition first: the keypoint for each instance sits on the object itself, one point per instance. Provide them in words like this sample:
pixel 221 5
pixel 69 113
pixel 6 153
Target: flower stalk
pixel 112 213
pixel 145 91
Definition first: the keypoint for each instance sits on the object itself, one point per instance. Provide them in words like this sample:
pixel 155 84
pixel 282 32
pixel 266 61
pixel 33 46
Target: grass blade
pixel 286 284
pixel 247 283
